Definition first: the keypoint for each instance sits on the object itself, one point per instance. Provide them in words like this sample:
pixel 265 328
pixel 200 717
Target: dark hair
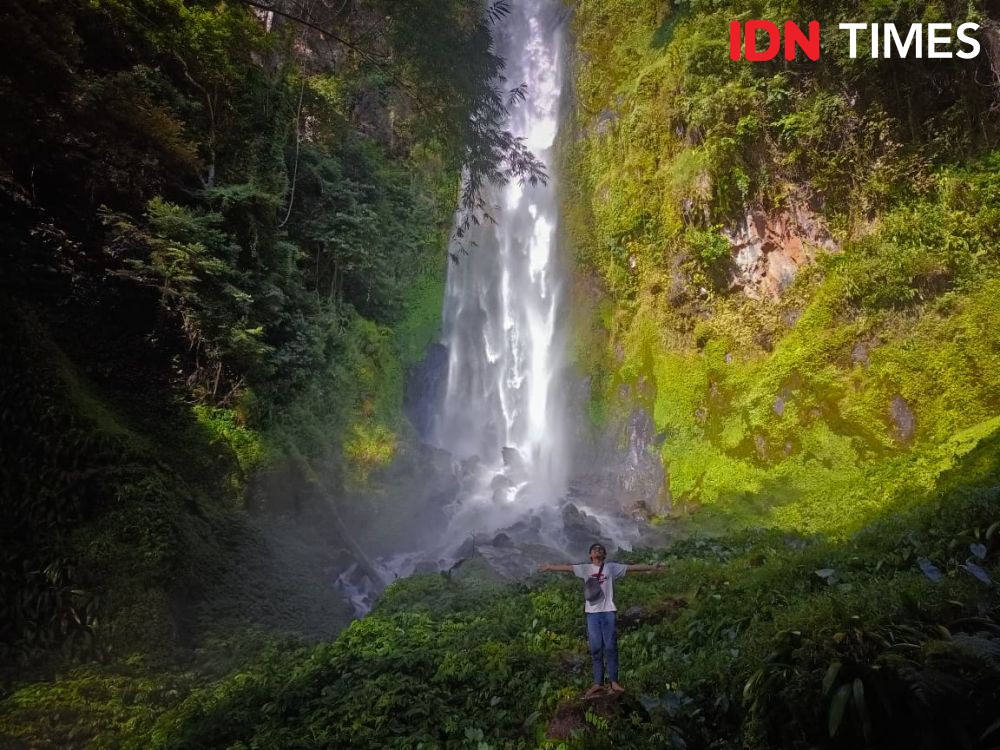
pixel 597 545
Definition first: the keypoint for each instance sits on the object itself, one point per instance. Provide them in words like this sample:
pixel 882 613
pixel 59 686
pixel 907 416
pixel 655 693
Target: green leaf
pixel 974 570
pixel 990 730
pixel 831 675
pixel 837 707
pixel 930 570
pixel 861 707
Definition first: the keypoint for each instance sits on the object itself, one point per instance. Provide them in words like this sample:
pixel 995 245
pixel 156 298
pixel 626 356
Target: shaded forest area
pixel 224 230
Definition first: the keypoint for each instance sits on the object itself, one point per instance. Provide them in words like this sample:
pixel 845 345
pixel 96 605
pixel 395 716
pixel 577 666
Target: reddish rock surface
pixel 770 248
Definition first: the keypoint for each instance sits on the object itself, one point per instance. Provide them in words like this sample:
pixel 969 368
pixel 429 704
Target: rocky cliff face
pixel 424 389
pixel 769 248
pixel 617 466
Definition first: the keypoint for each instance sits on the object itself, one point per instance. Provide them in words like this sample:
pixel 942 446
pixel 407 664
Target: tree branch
pixel 368 56
pixel 298 142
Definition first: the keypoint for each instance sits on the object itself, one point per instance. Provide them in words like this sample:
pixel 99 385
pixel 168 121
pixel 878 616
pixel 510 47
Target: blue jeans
pixel 602 637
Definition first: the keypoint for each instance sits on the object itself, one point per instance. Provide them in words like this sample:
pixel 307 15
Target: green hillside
pixel 812 400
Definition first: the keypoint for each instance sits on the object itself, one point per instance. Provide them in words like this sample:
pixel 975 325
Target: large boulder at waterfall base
pixel 622 468
pixel 580 529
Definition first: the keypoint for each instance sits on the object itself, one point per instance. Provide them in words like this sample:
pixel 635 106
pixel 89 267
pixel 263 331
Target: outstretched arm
pixel 547 568
pixel 644 568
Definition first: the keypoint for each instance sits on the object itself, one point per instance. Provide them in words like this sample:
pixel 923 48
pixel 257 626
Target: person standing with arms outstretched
pixel 599 605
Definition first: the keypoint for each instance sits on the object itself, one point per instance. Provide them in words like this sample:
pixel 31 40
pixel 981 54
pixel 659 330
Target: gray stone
pixel 642 477
pixel 580 529
pixel 769 248
pixel 500 482
pixel 525 527
pixel 513 460
pixel 791 317
pixel 640 511
pixel 903 418
pixel 618 463
pixel 425 566
pixel 795 542
pixel 779 405
pixel 859 354
pixel 760 445
pixel 678 292
pixel 605 121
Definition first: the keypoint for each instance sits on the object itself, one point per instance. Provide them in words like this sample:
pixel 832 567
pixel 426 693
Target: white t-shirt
pixel 612 572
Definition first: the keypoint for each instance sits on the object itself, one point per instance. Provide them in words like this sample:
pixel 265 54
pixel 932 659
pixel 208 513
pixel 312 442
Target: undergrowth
pixel 758 639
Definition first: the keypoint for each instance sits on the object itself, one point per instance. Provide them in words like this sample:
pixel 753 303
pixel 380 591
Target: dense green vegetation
pixel 224 244
pixel 838 407
pixel 224 238
pixel 780 403
pixel 756 639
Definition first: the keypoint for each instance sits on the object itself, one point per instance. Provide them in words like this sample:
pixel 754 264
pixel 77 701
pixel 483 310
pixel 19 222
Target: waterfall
pixel 503 415
pixel 502 309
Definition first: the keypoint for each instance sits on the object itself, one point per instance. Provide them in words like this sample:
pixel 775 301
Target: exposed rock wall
pixel 617 466
pixel 770 248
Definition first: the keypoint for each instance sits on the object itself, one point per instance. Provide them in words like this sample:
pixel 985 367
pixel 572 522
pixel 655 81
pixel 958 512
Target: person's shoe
pixel 594 691
pixel 616 687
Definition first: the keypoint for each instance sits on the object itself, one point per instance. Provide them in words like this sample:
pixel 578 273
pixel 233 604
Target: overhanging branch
pixel 377 62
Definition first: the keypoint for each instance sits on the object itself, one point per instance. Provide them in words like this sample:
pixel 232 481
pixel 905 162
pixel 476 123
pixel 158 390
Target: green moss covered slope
pixel 807 404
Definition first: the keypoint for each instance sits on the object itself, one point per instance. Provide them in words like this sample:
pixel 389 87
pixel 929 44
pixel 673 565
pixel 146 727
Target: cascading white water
pixel 502 305
pixel 503 416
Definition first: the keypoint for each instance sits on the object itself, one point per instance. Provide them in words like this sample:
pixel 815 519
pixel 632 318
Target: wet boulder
pixel 580 528
pixel 622 466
